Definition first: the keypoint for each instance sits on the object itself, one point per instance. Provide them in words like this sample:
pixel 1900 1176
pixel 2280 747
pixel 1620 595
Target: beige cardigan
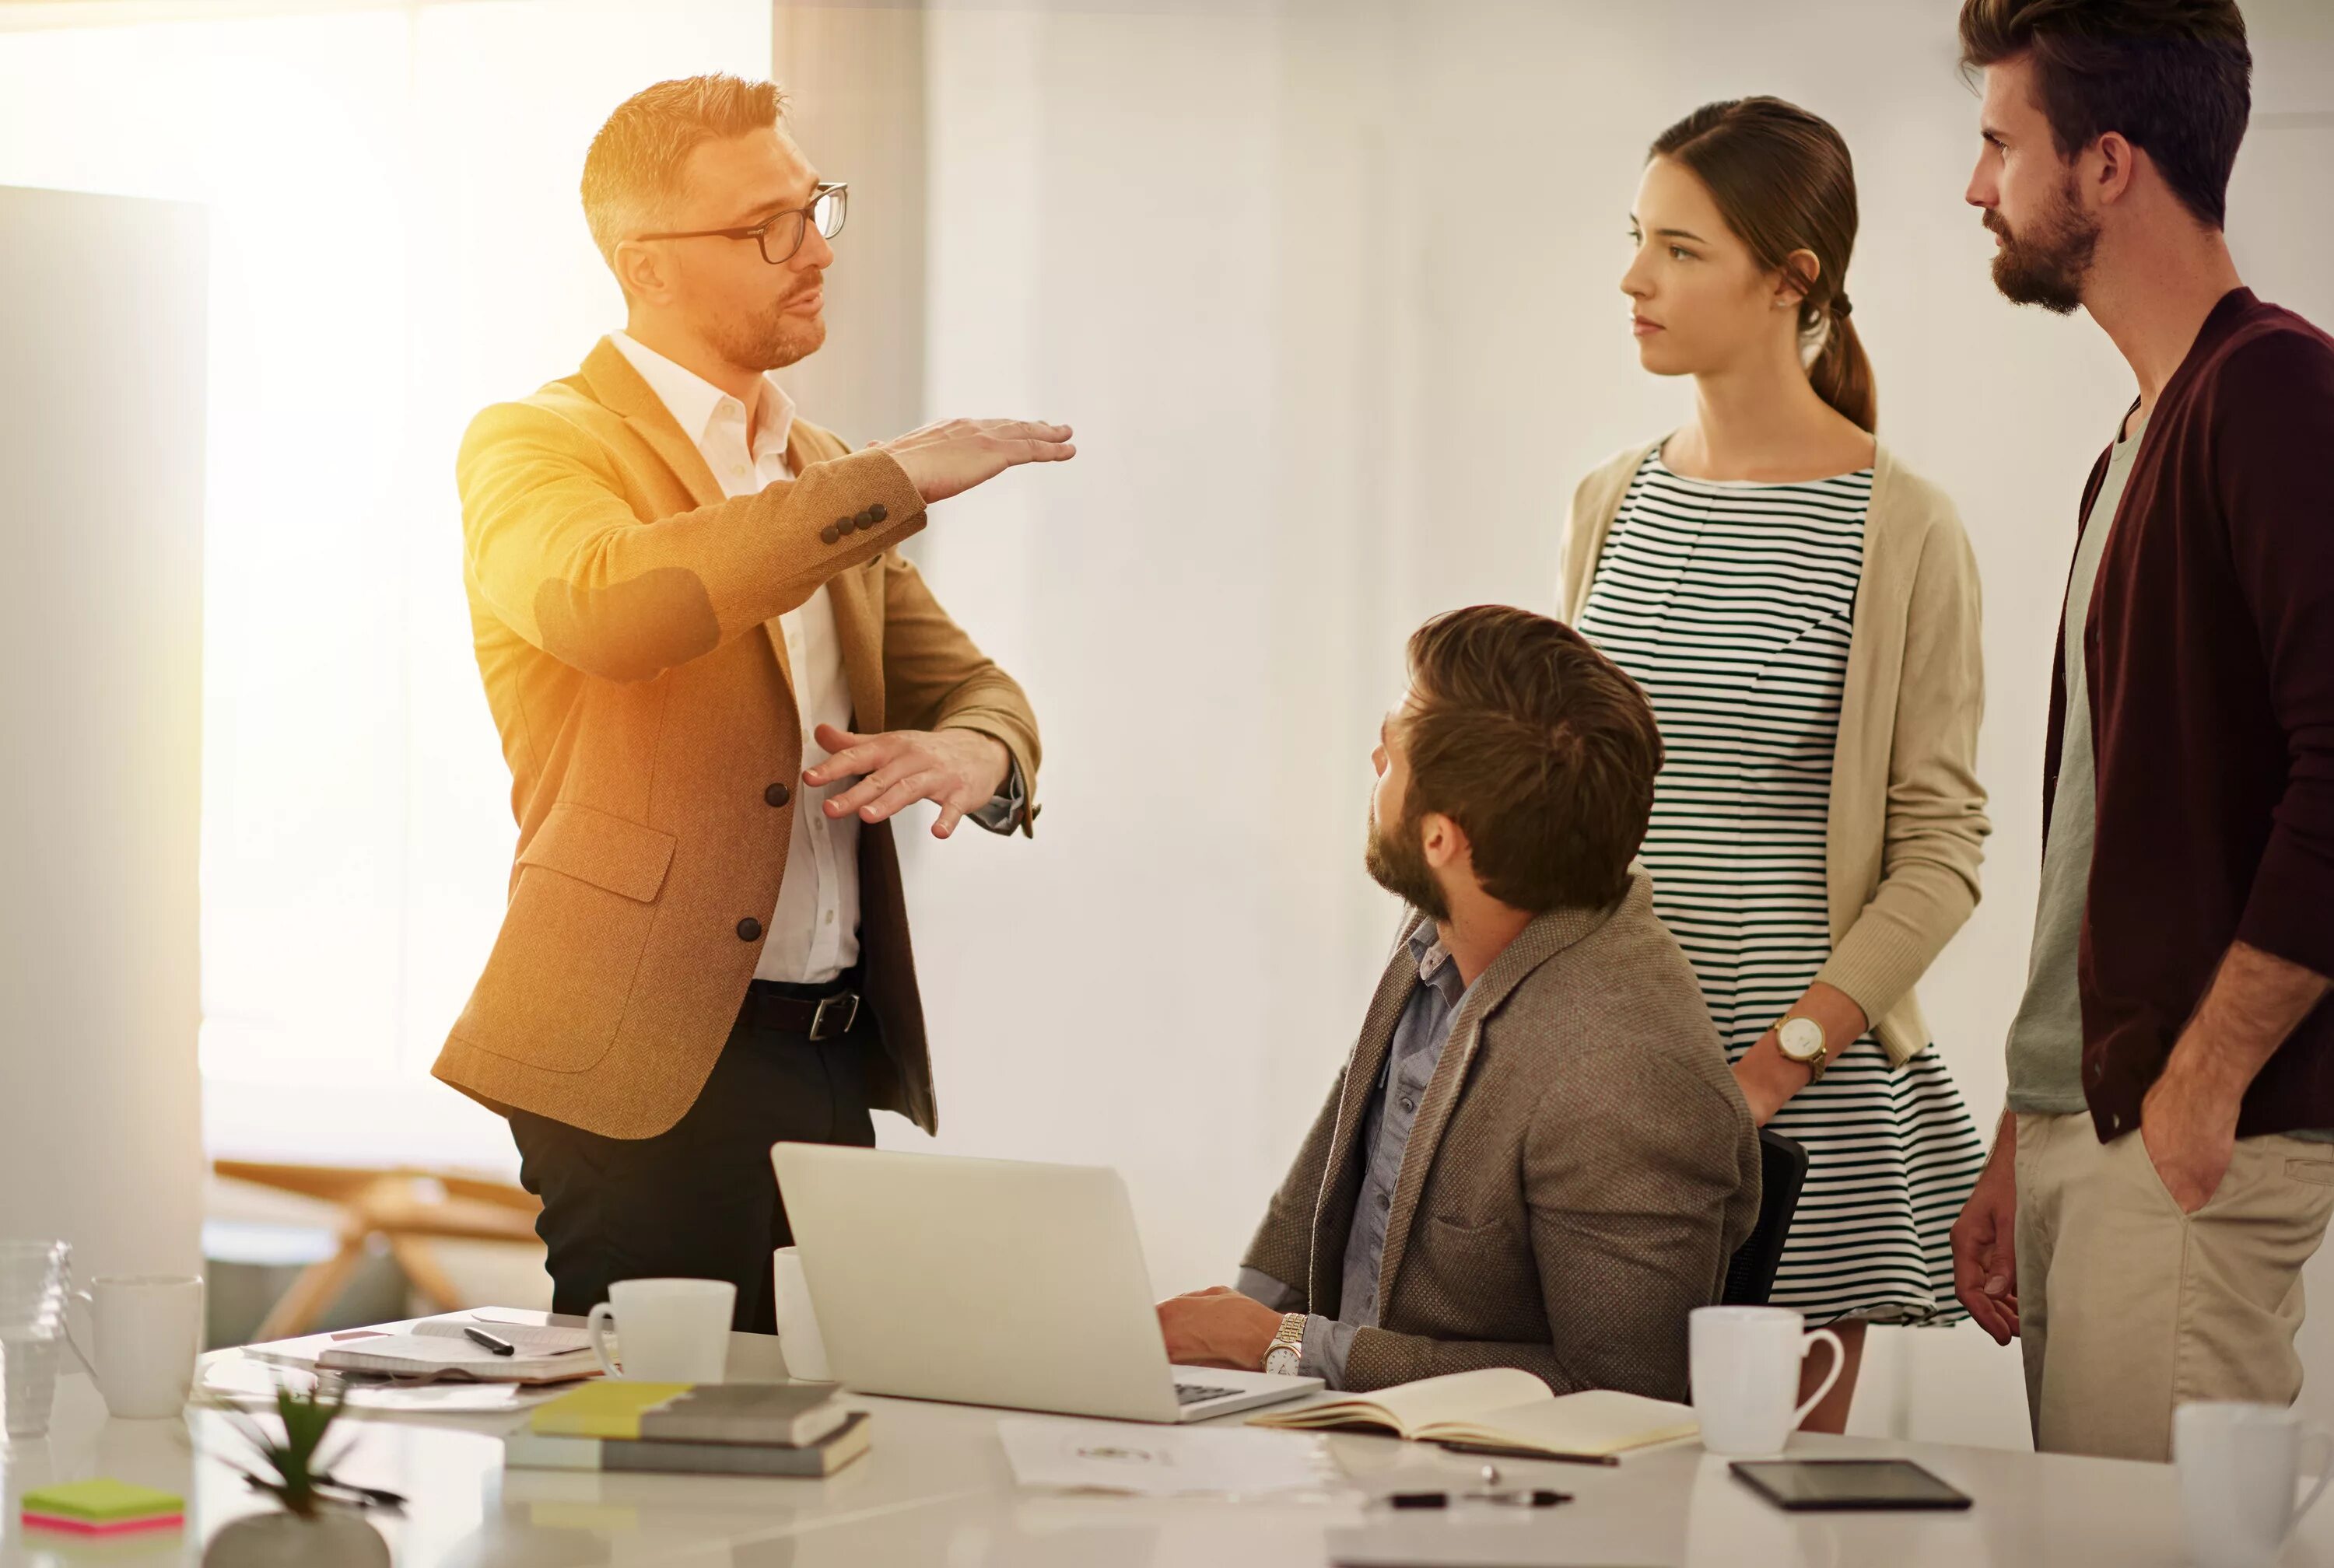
pixel 1907 820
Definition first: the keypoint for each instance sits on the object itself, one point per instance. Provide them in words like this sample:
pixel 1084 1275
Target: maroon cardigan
pixel 2210 655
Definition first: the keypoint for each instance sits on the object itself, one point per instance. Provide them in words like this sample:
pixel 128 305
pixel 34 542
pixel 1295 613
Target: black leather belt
pixel 813 1012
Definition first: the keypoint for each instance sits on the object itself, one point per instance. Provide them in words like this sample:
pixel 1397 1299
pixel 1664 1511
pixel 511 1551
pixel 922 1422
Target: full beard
pixel 1398 864
pixel 2049 267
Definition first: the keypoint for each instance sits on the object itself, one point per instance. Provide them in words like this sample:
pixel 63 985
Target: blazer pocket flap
pixel 605 850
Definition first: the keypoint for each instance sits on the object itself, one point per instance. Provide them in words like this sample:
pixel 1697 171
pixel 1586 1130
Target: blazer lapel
pixel 1333 1212
pixel 615 383
pixel 1547 936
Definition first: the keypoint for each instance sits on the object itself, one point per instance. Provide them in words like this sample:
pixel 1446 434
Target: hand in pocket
pixel 2190 1138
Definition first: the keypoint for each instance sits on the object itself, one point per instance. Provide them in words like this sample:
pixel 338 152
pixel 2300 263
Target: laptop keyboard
pixel 1199 1393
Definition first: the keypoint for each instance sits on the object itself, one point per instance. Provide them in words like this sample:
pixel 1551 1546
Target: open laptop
pixel 989 1281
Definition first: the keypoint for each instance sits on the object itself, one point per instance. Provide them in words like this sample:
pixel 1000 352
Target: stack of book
pixel 692 1428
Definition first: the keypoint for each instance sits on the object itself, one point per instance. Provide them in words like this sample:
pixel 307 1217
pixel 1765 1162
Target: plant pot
pixel 281 1540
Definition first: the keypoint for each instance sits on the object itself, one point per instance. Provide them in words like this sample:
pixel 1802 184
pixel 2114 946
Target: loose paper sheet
pixel 1162 1461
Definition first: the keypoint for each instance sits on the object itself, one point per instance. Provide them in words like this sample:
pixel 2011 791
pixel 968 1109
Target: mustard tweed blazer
pixel 624 615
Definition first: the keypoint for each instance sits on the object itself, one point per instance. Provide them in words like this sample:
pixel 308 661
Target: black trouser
pixel 698 1200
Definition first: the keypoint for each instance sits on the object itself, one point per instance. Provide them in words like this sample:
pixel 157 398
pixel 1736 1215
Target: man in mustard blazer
pixel 716 681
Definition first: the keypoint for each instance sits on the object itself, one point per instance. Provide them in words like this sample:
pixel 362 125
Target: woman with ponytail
pixel 1803 612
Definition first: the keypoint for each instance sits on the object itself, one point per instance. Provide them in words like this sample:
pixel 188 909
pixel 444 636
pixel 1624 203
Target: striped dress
pixel 1731 604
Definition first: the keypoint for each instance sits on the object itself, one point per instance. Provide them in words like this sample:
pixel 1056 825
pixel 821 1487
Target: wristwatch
pixel 1288 1347
pixel 1802 1040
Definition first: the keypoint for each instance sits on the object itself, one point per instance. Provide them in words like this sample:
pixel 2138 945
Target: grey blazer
pixel 1581 1168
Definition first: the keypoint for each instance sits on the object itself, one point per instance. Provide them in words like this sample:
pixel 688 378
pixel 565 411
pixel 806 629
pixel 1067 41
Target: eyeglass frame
pixel 759 233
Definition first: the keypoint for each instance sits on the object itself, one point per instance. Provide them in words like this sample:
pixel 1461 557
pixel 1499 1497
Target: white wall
pixel 1329 292
pixel 101 748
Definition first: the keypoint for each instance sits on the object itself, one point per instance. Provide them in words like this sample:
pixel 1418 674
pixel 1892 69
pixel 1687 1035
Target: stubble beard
pixel 771 340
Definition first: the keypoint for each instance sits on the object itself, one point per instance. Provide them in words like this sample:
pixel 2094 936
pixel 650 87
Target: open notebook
pixel 1503 1410
pixel 437 1348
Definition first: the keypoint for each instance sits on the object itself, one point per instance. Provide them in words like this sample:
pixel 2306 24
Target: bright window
pixel 396 241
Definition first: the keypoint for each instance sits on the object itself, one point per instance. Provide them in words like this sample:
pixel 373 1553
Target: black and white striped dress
pixel 1731 605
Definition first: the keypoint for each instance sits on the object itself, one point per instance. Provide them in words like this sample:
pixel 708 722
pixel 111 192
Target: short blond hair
pixel 632 174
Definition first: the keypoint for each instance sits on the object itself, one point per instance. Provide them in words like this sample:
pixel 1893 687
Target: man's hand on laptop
pixel 959 770
pixel 1218 1327
pixel 950 457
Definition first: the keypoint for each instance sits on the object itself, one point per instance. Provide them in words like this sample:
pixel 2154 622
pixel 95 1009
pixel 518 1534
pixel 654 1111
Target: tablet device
pixel 1818 1485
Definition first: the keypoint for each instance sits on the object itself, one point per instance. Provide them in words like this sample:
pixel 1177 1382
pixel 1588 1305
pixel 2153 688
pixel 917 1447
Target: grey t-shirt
pixel 2046 1039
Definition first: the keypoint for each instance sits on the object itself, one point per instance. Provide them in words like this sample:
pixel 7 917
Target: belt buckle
pixel 846 1003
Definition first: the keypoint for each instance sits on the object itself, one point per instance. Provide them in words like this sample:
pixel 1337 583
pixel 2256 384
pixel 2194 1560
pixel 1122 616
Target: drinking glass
pixel 33 1280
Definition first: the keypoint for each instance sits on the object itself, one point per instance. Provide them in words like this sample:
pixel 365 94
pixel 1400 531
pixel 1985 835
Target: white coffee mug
pixel 1746 1376
pixel 799 1340
pixel 149 1332
pixel 672 1330
pixel 2238 1464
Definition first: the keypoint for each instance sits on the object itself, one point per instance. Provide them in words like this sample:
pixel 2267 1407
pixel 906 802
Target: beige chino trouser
pixel 2128 1308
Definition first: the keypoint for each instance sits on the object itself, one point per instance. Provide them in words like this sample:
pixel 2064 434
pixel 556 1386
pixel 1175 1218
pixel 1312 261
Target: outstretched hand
pixel 961 770
pixel 953 457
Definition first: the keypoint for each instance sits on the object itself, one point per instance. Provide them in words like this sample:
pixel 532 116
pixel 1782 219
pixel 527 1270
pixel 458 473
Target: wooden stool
pixel 406 1207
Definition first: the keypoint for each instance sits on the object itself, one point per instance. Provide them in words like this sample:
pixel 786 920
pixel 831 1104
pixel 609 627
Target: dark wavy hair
pixel 1538 746
pixel 2172 77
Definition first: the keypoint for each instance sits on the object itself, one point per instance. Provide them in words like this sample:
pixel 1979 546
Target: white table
pixel 937 1490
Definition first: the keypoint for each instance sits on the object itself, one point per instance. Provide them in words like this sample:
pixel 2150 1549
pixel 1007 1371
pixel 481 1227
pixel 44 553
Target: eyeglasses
pixel 781 236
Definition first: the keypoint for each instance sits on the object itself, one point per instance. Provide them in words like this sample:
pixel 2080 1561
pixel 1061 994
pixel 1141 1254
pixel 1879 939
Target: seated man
pixel 1536 1156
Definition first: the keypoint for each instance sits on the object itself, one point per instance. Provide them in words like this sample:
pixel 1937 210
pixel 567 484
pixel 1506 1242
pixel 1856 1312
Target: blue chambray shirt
pixel 1418 1037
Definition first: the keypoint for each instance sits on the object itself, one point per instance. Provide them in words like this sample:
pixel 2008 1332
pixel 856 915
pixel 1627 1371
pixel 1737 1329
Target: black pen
pixel 1534 1499
pixel 479 1336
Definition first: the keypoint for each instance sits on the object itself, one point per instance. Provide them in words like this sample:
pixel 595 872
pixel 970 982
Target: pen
pixel 479 1336
pixel 1534 1498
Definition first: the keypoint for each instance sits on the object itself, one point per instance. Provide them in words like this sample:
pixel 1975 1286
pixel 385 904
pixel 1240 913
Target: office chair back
pixel 1782 1171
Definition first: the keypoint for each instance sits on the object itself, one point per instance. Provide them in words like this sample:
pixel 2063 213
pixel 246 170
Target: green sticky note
pixel 102 1501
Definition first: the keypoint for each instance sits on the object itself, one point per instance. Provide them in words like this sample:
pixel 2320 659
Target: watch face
pixel 1281 1362
pixel 1801 1039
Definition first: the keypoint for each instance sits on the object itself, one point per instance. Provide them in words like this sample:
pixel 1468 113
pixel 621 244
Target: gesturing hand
pixel 961 770
pixel 950 457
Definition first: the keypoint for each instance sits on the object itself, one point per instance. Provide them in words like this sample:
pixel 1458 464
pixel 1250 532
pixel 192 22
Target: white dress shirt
pixel 813 933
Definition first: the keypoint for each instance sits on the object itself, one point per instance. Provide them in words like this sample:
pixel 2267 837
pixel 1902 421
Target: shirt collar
pixel 694 402
pixel 1426 947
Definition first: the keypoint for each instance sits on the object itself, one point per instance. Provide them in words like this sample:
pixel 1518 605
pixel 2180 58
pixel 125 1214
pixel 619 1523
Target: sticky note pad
pixel 102 1506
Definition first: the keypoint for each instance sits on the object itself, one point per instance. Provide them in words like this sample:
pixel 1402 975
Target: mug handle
pixel 2313 1432
pixel 603 1318
pixel 79 1354
pixel 1839 1365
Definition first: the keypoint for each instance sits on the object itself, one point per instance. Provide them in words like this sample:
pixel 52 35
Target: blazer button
pixel 829 533
pixel 865 519
pixel 777 795
pixel 749 929
pixel 876 513
pixel 846 524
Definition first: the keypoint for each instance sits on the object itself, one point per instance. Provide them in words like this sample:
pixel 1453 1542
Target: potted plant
pixel 307 1530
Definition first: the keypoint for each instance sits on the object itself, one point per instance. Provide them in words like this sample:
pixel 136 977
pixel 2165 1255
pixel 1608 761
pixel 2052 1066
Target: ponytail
pixel 1841 373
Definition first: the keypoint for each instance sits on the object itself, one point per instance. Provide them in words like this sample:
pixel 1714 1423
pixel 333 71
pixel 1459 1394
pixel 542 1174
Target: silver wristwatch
pixel 1288 1347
